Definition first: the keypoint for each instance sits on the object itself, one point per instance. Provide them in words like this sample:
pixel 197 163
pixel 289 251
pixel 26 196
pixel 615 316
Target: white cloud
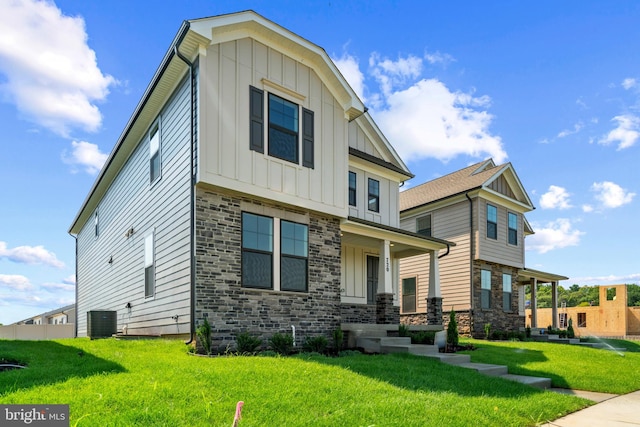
pixel 576 128
pixel 629 83
pixel 438 58
pixel 51 73
pixel 15 282
pixel 86 155
pixel 587 208
pixel 348 66
pixel 553 235
pixel 30 255
pixel 611 195
pixel 58 287
pixel 391 74
pixel 555 198
pixel 70 280
pixel 626 133
pixel 610 279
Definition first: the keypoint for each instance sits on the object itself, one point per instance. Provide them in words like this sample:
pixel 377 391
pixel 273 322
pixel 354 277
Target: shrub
pixel 487 330
pixel 423 337
pixel 204 335
pixel 281 343
pixel 570 332
pixel 452 329
pixel 527 331
pixel 338 339
pixel 314 345
pixel 246 344
pixel 403 330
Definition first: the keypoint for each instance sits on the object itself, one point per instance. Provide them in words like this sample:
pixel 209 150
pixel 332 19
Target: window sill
pixel 272 291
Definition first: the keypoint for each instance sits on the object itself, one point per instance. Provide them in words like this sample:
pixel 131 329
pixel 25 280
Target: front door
pixel 372 278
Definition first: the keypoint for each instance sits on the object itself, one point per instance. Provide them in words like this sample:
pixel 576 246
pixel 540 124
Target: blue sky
pixel 553 87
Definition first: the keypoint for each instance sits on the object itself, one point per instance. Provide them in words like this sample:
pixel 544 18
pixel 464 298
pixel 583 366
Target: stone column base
pixel 386 312
pixel 434 311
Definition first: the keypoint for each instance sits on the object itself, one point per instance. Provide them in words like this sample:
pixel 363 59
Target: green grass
pixel 156 383
pixel 568 366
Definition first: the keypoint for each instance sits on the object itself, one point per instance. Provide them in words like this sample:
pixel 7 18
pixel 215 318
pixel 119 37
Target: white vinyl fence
pixel 37 332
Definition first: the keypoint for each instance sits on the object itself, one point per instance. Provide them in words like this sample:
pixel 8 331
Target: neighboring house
pixel 59 316
pixel 612 317
pixel 250 187
pixel 481 209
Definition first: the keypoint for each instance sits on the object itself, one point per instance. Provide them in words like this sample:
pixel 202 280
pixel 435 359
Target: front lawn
pixel 156 383
pixel 568 366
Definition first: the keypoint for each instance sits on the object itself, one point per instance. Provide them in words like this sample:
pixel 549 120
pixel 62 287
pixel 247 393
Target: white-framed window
pixel 373 195
pixel 149 266
pixel 155 163
pixel 423 225
pixel 290 128
pixel 409 295
pixel 278 264
pixel 485 289
pixel 506 292
pixel 492 222
pixel 513 228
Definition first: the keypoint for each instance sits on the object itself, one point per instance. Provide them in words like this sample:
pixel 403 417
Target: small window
pixel 283 129
pixel 154 154
pixel 506 292
pixel 582 320
pixel 611 294
pixel 374 195
pixel 96 224
pixel 352 188
pixel 257 251
pixel 423 225
pixel 492 222
pixel 485 291
pixel 149 266
pixel 409 295
pixel 513 229
pixel 294 249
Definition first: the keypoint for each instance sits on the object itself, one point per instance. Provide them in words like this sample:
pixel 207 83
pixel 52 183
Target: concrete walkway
pixel 618 411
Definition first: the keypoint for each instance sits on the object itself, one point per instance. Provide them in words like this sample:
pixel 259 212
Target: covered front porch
pixel 527 276
pixel 371 254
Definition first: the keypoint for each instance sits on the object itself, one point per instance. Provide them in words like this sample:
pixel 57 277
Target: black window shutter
pixel 307 138
pixel 256 119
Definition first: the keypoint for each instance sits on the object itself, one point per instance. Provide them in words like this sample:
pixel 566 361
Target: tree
pixel 452 330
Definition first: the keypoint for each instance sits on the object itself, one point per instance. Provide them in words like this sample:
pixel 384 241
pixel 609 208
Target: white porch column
pixel 534 303
pixel 554 305
pixel 434 275
pixel 385 279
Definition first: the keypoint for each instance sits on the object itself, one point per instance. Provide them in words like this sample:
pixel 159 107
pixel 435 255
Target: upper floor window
pixel 492 222
pixel 352 189
pixel 485 289
pixel 96 227
pixel 423 225
pixel 513 229
pixel 374 195
pixel 149 266
pixel 154 153
pixel 287 134
pixel 257 251
pixel 409 295
pixel 506 292
pixel 294 256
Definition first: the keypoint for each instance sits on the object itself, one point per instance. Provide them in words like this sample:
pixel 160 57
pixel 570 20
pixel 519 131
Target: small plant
pixel 570 332
pixel 247 344
pixel 315 344
pixel 204 335
pixel 527 332
pixel 281 343
pixel 423 337
pixel 338 339
pixel 403 330
pixel 452 330
pixel 487 330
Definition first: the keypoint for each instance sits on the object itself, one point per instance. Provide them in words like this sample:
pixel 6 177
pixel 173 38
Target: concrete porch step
pixel 487 369
pixel 537 382
pixel 417 349
pixel 375 344
pixel 451 358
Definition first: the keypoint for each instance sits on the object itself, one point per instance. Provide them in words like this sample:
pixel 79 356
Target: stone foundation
pixel 463 319
pixel 232 309
pixel 414 319
pixel 358 313
pixel 386 312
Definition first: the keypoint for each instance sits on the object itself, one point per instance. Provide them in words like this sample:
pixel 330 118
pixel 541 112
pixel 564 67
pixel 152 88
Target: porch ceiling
pixel 358 232
pixel 526 274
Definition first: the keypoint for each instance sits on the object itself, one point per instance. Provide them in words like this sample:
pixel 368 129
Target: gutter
pixel 192 178
pixel 471 253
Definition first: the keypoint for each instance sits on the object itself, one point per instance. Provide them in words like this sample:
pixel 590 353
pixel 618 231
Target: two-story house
pixel 250 187
pixel 480 208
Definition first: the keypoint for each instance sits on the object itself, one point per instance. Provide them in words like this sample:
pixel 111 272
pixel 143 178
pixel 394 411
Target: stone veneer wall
pixel 463 319
pixel 413 319
pixel 499 319
pixel 232 309
pixel 358 313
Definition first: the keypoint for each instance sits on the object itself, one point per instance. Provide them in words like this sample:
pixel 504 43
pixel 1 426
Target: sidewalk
pixel 623 410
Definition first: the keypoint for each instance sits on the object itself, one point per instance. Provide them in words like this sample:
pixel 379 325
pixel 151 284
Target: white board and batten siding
pixel 162 208
pixel 450 223
pixel 228 70
pixel 499 250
